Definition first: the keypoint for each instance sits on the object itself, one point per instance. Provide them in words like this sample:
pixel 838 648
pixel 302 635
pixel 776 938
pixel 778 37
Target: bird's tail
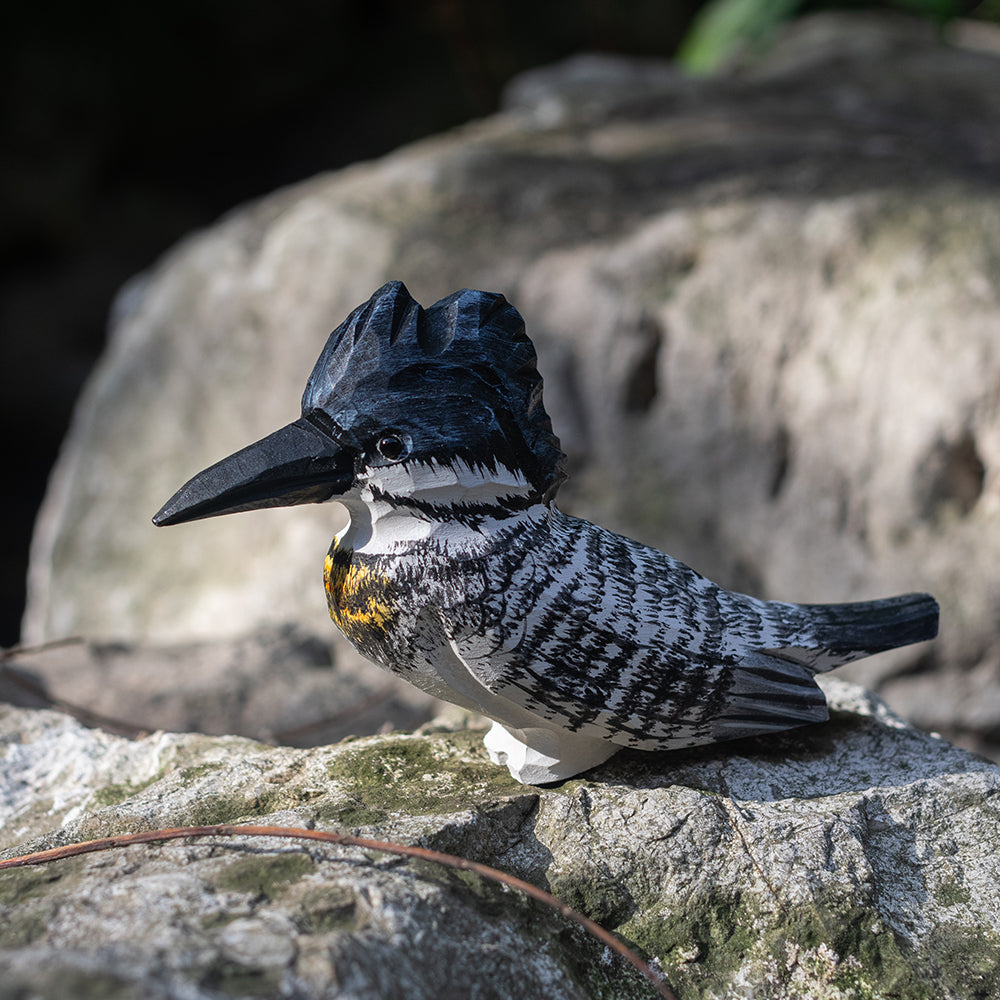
pixel 774 689
pixel 831 634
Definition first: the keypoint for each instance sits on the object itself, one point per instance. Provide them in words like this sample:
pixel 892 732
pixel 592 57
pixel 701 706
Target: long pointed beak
pixel 297 464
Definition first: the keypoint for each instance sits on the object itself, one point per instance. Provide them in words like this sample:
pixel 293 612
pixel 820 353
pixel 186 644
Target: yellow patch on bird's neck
pixel 359 598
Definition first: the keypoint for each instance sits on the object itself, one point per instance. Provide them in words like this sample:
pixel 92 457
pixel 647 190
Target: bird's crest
pixel 465 365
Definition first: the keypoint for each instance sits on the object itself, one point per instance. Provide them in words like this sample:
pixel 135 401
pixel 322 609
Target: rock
pixel 278 684
pixel 851 859
pixel 765 308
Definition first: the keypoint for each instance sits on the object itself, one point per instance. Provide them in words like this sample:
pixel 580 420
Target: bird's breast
pixel 360 598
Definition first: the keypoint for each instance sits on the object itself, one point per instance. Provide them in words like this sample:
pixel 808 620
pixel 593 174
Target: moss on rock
pixel 268 877
pixel 832 948
pixel 414 775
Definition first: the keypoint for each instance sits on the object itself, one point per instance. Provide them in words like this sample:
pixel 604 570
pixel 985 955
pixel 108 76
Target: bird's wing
pixel 644 695
pixel 600 634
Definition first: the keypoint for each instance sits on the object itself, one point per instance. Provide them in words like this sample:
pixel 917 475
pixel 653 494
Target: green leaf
pixel 723 26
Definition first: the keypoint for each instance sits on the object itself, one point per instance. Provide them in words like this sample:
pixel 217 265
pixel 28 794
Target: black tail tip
pixel 917 619
pixel 891 622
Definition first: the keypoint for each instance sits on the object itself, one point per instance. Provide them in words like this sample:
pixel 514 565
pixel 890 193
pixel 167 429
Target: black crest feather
pixel 461 377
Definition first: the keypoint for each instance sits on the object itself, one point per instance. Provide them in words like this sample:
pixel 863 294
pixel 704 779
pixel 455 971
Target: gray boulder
pixel 855 859
pixel 766 310
pixel 276 684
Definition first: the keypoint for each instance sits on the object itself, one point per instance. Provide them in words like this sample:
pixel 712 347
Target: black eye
pixel 392 447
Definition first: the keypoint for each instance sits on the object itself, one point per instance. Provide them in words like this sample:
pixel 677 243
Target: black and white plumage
pixel 458 572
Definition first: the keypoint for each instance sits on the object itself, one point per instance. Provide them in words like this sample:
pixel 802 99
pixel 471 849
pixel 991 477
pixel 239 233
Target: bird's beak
pixel 297 464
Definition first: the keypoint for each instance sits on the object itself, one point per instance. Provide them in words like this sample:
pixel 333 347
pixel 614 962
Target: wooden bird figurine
pixel 458 572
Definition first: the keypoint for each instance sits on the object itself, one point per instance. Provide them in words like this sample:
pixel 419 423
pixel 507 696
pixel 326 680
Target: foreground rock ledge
pixel 852 859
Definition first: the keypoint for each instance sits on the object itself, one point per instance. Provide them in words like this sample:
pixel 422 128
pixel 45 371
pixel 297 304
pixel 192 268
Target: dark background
pixel 125 125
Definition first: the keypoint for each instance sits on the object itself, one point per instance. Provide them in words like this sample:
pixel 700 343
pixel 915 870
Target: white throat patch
pixel 453 485
pixel 378 527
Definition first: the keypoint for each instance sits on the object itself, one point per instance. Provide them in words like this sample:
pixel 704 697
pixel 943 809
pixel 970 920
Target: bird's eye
pixel 393 447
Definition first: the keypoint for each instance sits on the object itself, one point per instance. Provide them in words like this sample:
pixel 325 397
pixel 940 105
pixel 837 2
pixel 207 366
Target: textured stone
pixel 766 311
pixel 855 859
pixel 278 684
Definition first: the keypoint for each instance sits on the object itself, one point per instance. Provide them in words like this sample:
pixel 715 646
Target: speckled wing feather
pixel 594 631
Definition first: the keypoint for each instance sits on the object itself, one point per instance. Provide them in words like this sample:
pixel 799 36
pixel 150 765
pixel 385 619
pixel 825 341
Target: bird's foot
pixel 541 756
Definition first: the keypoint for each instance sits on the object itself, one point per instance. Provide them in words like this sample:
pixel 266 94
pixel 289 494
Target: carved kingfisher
pixel 458 572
